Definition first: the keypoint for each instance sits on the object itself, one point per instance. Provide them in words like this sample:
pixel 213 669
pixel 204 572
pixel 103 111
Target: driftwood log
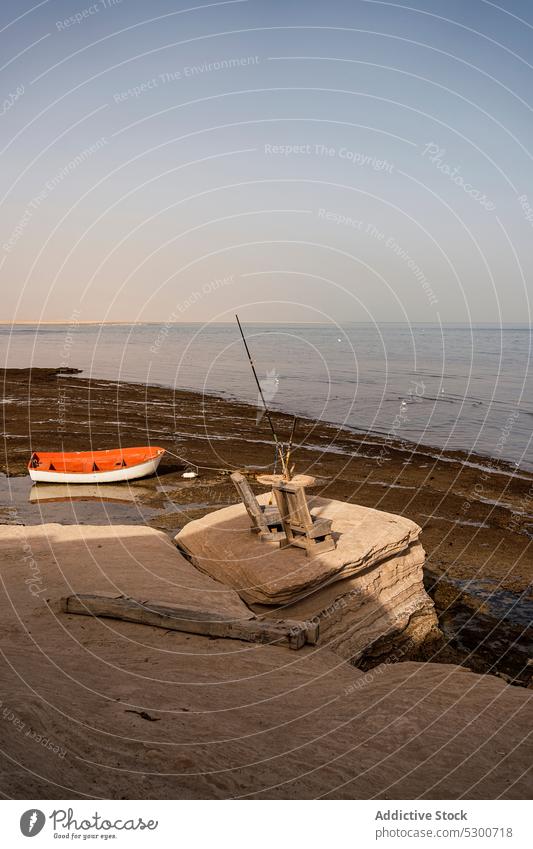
pixel 208 623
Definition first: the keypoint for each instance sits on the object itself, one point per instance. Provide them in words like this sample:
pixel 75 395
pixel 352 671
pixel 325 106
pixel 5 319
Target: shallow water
pixel 27 504
pixel 494 622
pixel 161 502
pixel 454 387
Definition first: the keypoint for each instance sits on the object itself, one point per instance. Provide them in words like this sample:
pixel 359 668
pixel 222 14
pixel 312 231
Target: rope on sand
pixel 197 466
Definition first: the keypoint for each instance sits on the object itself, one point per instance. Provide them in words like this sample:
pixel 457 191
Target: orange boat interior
pixel 84 462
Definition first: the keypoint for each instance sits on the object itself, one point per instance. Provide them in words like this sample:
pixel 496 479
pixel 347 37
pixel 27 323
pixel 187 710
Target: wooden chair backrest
pixel 250 502
pixel 292 504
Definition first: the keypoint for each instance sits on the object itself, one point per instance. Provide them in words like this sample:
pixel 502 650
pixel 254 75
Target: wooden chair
pixel 301 529
pixel 266 521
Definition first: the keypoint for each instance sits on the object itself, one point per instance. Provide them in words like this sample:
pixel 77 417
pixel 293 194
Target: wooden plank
pixel 250 502
pixel 299 507
pixel 312 632
pixel 208 623
pixel 264 519
pixel 282 505
pixel 301 529
pixel 293 505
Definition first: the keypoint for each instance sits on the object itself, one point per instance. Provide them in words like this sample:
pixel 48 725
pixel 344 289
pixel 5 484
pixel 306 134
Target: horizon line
pixel 97 322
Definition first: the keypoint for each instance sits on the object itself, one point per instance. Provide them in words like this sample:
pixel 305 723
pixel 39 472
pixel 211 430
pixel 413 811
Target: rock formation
pixel 368 589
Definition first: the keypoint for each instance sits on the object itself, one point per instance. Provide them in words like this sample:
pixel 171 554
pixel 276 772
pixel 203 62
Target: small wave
pixel 467 522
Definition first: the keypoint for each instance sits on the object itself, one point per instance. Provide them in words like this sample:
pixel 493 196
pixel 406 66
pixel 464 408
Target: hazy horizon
pixel 294 162
pixel 455 385
pixel 67 322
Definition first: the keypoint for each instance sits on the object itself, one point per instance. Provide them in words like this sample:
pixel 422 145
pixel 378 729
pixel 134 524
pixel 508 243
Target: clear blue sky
pixel 293 160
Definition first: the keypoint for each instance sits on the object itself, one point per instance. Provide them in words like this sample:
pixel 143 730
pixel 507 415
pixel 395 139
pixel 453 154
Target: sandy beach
pixel 95 708
pixel 476 514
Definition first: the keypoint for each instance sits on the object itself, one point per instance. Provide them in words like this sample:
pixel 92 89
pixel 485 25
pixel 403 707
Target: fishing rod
pixel 289 446
pixel 267 411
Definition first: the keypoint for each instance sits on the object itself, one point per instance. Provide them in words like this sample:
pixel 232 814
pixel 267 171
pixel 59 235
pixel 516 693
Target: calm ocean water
pixel 456 387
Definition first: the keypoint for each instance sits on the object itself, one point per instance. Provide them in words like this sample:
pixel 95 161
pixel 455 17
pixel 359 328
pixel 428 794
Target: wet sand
pixel 476 513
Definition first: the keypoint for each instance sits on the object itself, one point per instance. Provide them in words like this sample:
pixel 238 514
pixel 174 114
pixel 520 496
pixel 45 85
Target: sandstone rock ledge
pixel 132 711
pixel 368 590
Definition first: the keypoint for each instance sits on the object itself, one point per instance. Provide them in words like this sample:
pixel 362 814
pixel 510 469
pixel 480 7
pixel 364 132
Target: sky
pixel 292 161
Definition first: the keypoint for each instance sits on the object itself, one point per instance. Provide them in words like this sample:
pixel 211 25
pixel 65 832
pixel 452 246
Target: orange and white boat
pixel 118 464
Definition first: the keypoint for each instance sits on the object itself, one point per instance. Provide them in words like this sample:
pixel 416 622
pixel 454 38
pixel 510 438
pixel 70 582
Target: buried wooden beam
pixel 208 623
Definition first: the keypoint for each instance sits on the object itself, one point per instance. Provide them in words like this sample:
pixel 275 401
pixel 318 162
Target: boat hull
pixel 131 472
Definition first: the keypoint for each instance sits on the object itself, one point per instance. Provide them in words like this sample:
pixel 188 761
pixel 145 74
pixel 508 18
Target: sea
pixel 454 387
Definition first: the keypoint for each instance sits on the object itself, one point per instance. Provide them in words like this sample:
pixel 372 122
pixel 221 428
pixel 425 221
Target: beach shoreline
pixel 476 513
pixel 427 451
